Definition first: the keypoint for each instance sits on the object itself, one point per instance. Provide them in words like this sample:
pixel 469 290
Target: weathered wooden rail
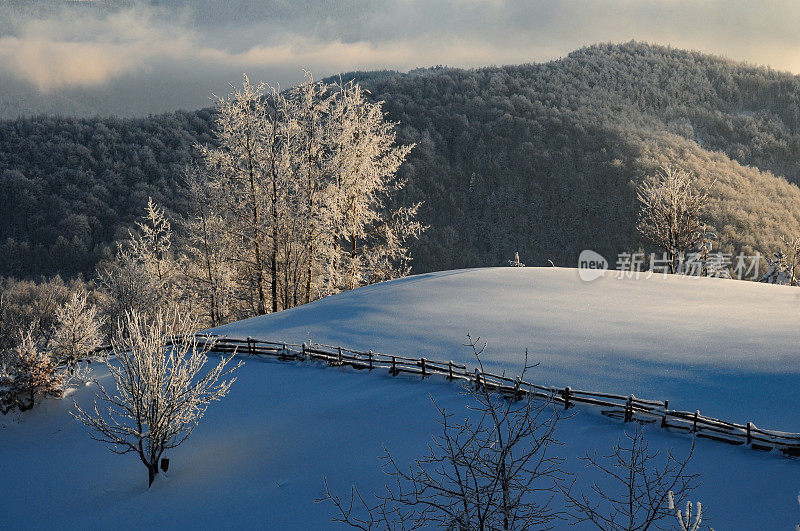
pixel 626 408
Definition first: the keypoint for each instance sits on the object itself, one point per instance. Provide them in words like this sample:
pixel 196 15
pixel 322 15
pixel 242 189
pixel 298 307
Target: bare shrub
pixel 638 489
pixel 489 471
pixel 161 389
pixel 77 332
pixel 28 376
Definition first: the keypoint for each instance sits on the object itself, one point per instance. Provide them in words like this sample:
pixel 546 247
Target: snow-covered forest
pixel 292 202
pixel 537 159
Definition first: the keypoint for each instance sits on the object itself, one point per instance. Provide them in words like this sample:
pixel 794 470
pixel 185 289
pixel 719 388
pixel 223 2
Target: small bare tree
pixel 28 376
pixel 492 472
pixel 129 287
pixel 28 306
pixel 161 393
pixel 78 330
pixel 782 268
pixel 793 252
pixel 669 213
pixel 639 490
pixel 685 522
pixel 209 259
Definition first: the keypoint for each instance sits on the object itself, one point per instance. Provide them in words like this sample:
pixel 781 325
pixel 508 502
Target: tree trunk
pixel 353 256
pixel 274 255
pixel 151 474
pixel 262 307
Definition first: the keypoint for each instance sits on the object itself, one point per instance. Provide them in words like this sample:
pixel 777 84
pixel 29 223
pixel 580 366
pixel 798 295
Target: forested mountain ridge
pixel 539 158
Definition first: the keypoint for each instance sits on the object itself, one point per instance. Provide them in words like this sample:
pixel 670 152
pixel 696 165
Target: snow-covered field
pixel 258 458
pixel 728 348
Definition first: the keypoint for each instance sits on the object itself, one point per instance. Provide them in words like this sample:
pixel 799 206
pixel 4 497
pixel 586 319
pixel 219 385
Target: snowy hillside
pixel 258 458
pixel 725 347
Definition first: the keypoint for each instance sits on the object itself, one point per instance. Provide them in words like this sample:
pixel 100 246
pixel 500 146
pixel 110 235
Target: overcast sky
pixel 138 57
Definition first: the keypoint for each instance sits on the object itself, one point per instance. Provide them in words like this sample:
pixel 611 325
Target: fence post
pixel 629 409
pixel 450 370
pixel 694 425
pixel 339 351
pixel 304 351
pixel 477 380
pixel 749 435
pixel 422 363
pixel 565 393
pixel 370 360
pixel 250 345
pixel 393 370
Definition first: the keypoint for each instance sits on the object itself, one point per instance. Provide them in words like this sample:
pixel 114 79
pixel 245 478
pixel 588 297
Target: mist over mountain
pixel 540 159
pixel 133 58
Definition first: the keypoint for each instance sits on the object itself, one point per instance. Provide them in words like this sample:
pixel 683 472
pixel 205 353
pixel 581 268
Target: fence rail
pixel 626 408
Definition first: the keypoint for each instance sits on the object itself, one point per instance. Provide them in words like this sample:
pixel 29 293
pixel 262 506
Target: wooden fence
pixel 626 408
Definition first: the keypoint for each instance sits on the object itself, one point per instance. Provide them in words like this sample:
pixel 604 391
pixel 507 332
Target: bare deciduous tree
pixel 27 306
pixel 128 287
pixel 241 164
pixel 490 471
pixel 28 376
pixel 161 391
pixel 143 275
pixel 638 490
pixel 782 268
pixel 77 330
pixel 209 253
pixel 306 179
pixel 669 213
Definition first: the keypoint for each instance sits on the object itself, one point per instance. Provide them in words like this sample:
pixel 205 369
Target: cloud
pixel 76 48
pixel 95 48
pixel 96 45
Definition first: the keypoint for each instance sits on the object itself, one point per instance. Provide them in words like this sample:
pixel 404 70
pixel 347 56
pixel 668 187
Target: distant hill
pixel 540 158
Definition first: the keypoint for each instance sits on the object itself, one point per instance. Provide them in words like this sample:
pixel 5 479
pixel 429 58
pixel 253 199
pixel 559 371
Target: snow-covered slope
pixel 728 348
pixel 258 458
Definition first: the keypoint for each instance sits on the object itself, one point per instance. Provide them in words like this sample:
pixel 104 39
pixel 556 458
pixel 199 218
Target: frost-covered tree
pixel 685 522
pixel 310 104
pixel 30 307
pixel 304 181
pixel 143 275
pixel 670 209
pixel 780 270
pixel 240 163
pixel 162 390
pixel 27 376
pixel 78 330
pixel 209 254
pixel 705 241
pixel 128 286
pixel 369 241
pixel 282 128
pixel 151 245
